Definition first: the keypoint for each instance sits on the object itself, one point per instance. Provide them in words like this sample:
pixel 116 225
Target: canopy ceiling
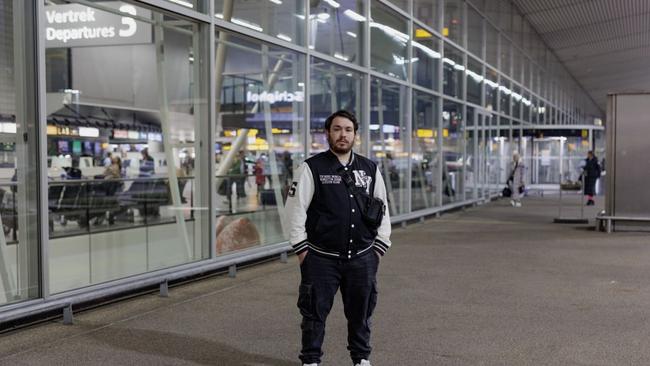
pixel 604 44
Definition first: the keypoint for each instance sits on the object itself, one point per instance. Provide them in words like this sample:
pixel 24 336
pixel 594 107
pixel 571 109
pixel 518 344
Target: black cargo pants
pixel 321 279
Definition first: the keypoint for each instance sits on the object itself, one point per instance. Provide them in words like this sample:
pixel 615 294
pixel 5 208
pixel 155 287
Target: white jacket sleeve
pixel 382 242
pixel 298 201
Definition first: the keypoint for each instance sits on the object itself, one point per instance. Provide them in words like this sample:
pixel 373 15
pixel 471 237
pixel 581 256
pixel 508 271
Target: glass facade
pixel 166 139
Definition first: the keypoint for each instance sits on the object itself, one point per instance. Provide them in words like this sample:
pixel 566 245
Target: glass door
pixel 19 274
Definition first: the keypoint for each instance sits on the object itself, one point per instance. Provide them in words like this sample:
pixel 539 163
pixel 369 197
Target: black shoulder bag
pixel 372 208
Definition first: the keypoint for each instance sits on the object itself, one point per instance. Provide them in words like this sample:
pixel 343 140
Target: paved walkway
pixel 493 285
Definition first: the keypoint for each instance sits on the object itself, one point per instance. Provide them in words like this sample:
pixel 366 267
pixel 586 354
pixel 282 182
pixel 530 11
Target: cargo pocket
pixel 305 300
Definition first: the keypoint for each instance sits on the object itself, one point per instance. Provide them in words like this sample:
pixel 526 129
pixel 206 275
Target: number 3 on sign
pixel 130 22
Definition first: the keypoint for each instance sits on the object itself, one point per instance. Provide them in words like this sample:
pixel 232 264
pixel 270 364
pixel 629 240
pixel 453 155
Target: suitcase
pixel 267 197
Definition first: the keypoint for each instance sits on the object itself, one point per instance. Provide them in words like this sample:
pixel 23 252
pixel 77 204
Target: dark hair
pixel 341 113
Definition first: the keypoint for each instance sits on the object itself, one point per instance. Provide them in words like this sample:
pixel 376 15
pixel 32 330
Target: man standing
pixel 338 246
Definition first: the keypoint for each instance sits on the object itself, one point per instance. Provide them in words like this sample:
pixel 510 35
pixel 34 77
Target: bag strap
pixel 352 190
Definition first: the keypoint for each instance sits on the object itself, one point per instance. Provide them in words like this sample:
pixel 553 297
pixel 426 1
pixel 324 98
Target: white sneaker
pixel 309 364
pixel 517 204
pixel 513 203
pixel 364 363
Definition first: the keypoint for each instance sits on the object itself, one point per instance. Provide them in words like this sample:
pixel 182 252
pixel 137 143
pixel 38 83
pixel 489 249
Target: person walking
pixel 591 173
pixel 334 206
pixel 516 180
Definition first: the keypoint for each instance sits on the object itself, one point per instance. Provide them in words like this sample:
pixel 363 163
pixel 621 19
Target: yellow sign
pixel 445 132
pixel 52 130
pixel 422 33
pixel 423 133
pixel 585 133
pixel 445 32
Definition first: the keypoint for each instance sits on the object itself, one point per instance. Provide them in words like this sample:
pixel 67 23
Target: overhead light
pixel 333 3
pixel 491 83
pixel 284 37
pixel 184 3
pixel 302 85
pixel 247 24
pixel 218 15
pixel 353 35
pixel 300 16
pixel 323 16
pixel 279 2
pixel 354 16
pixel 341 57
pixel 311 47
pixel 426 50
pixel 402 61
pixel 397 35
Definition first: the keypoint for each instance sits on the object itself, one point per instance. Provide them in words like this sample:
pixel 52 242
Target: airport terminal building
pixel 147 141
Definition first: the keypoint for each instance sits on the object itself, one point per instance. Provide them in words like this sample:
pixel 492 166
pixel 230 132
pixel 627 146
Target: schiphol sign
pixel 75 25
pixel 275 97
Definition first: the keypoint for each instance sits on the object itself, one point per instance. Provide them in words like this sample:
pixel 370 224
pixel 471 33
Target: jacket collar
pixel 335 163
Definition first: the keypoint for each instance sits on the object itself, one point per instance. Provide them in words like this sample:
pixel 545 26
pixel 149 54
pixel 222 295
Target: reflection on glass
pixel 388 142
pixel 474 80
pixel 505 92
pixel 526 68
pixel 427 12
pixel 283 19
pixel 426 59
pixel 335 33
pixel 453 22
pixel 495 146
pixel 491 89
pixel 516 101
pixel 491 45
pixel 402 4
pixel 505 56
pixel 19 242
pixel 516 64
pixel 332 88
pixel 452 151
pixel 481 167
pixel 474 32
pixel 198 5
pixel 471 154
pixel 505 16
pixel 123 149
pixel 259 140
pixel 389 37
pixel 453 70
pixel 526 106
pixel 425 156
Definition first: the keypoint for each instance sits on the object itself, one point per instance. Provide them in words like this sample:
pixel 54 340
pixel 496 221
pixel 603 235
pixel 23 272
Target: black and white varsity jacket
pixel 324 217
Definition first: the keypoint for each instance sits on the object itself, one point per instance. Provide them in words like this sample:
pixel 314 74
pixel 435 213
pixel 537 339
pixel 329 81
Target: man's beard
pixel 337 149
